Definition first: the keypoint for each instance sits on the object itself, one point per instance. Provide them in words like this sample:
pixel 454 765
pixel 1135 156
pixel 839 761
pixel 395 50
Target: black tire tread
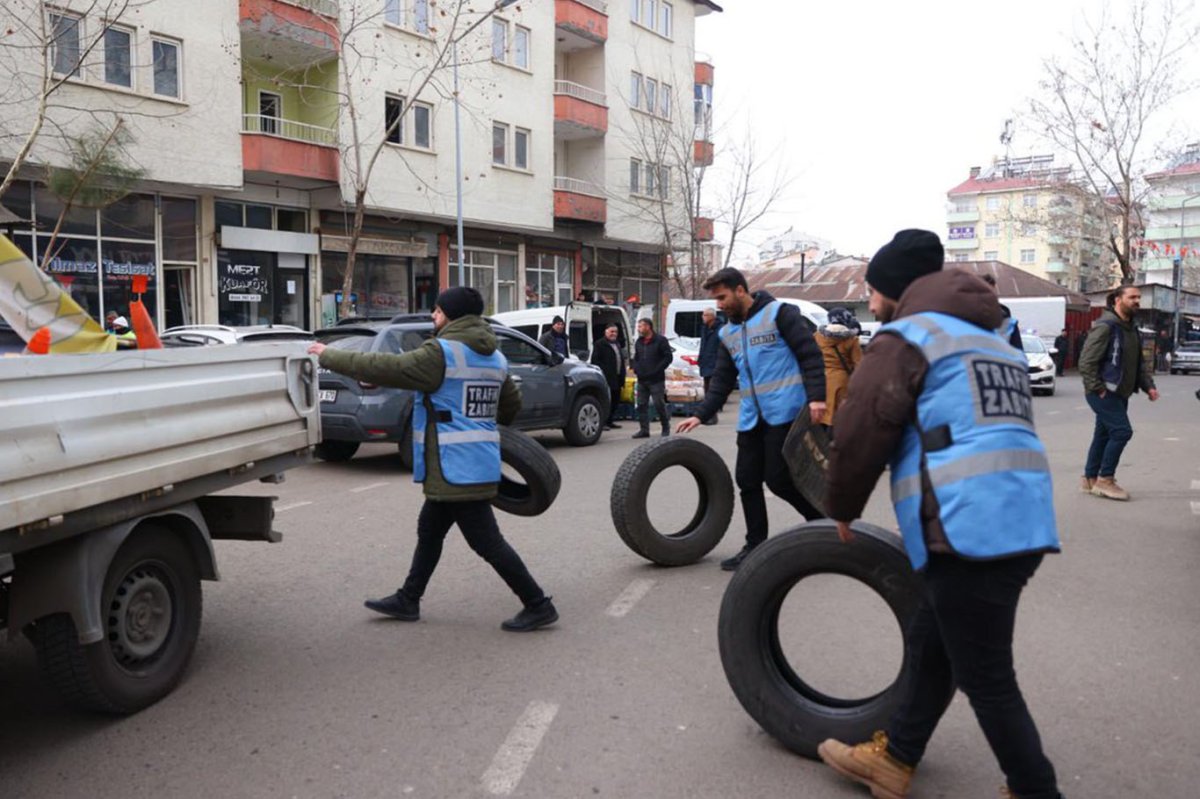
pixel 62 663
pixel 536 466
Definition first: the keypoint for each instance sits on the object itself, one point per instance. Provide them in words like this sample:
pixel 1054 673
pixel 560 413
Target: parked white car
pixel 1186 358
pixel 1041 365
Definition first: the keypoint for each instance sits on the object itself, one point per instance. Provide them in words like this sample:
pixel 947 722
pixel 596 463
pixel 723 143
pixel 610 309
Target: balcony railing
pixel 289 129
pixel 328 8
pixel 577 186
pixel 580 92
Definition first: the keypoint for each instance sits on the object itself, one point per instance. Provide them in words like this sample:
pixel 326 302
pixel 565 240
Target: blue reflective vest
pixel 770 378
pixel 464 407
pixel 973 439
pixel 1007 328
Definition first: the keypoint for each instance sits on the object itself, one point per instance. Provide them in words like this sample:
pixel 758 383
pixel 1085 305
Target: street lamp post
pixel 458 193
pixel 1179 268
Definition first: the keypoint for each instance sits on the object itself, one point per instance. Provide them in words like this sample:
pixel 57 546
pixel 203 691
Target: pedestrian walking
pixel 555 339
pixel 463 391
pixel 842 352
pixel 609 354
pixel 1061 342
pixel 651 357
pixel 1009 328
pixel 768 353
pixel 710 342
pixel 942 399
pixel 1112 368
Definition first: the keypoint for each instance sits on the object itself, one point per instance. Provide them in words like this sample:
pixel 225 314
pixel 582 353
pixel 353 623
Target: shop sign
pixel 393 247
pixel 964 232
pixel 243 282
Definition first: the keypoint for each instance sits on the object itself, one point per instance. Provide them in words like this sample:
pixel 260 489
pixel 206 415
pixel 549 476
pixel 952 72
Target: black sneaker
pixel 398 606
pixel 532 617
pixel 710 422
pixel 614 426
pixel 731 564
pixel 642 434
pixel 666 432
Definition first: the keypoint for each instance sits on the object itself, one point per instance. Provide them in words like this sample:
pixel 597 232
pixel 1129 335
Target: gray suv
pixel 556 394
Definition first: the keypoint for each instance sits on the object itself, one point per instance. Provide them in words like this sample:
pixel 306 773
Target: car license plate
pixel 328 395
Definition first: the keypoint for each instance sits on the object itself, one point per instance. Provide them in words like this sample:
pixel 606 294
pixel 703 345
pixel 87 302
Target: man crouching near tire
pixel 946 402
pixel 463 389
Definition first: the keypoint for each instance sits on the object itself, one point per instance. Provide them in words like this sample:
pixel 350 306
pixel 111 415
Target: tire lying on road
pixel 631 487
pixel 540 478
pixel 784 705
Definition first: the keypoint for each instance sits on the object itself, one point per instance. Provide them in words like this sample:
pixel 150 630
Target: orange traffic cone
pixel 39 342
pixel 143 327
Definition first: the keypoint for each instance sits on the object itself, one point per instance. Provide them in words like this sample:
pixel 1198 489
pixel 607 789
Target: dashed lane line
pixel 361 489
pixel 630 597
pixel 293 506
pixel 518 749
pixel 1196 485
pixel 1170 439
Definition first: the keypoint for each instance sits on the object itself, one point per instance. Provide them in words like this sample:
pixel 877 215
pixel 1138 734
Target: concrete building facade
pixel 1173 222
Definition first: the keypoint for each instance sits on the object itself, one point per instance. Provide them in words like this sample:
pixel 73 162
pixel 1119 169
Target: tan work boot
pixel 870 764
pixel 1107 487
pixel 1086 484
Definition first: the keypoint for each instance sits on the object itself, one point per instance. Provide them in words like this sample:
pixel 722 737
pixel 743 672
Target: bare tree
pixel 754 186
pixel 1099 105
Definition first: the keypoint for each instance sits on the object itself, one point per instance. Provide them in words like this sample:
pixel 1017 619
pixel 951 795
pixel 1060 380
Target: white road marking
pixel 1196 508
pixel 518 749
pixel 293 506
pixel 1081 407
pixel 360 489
pixel 1170 439
pixel 1051 413
pixel 629 597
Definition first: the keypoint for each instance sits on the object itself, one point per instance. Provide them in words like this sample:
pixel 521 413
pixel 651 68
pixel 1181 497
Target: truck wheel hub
pixel 140 616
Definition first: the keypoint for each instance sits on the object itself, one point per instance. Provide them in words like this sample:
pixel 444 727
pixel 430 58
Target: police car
pixel 1041 365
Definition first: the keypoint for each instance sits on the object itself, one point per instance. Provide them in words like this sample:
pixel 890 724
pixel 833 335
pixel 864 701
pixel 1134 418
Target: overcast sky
pixel 879 107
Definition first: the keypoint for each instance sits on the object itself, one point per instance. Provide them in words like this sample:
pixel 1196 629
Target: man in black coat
pixel 651 357
pixel 555 339
pixel 609 354
pixel 1061 342
pixel 710 342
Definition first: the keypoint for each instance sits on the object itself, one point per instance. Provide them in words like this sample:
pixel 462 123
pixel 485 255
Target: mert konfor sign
pixel 243 282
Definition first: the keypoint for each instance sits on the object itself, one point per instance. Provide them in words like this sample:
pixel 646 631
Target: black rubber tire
pixel 405 447
pixel 585 423
pixel 535 466
pixel 764 682
pixel 713 512
pixel 336 451
pixel 96 676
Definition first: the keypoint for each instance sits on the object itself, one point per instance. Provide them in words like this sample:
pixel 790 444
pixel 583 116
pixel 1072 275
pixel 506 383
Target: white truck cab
pixel 585 323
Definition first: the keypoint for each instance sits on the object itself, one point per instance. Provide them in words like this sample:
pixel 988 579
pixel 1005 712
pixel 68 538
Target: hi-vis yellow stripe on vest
pixel 31 300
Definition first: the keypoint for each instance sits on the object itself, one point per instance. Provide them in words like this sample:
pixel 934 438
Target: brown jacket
pixel 842 353
pixel 884 392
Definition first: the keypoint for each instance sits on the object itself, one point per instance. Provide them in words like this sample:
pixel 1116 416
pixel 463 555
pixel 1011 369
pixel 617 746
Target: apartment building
pixel 1032 214
pixel 261 126
pixel 1173 222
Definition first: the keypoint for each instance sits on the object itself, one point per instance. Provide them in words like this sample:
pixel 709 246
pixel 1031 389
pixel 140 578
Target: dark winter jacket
pixel 883 394
pixel 1136 373
pixel 556 342
pixel 424 369
pixel 651 358
pixel 612 361
pixel 799 340
pixel 710 342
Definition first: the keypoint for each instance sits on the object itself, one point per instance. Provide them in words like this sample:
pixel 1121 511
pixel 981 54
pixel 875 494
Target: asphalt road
pixel 297 690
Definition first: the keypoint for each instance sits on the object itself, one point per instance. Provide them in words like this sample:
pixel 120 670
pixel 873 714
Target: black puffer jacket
pixel 651 359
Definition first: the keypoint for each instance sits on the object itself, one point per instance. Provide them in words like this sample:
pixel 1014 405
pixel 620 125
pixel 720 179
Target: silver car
pixel 1186 358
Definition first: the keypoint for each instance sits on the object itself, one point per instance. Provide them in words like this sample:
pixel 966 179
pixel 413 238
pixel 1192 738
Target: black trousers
pixel 657 392
pixel 615 392
pixel 477 522
pixel 961 637
pixel 760 460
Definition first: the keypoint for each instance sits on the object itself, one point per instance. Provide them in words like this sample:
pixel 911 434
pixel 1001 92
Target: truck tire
pixel 585 422
pixel 336 451
pixel 152 591
pixel 790 710
pixel 631 487
pixel 538 471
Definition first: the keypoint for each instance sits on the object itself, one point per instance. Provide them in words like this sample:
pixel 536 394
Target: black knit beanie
pixel 460 301
pixel 909 255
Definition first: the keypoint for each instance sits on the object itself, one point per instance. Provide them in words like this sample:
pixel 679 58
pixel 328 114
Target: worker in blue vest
pixel 768 353
pixel 944 401
pixel 463 390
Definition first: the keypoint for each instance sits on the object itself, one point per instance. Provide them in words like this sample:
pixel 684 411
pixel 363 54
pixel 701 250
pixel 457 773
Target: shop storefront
pixel 263 263
pixel 97 253
pixel 493 272
pixel 621 277
pixel 549 276
pixel 391 276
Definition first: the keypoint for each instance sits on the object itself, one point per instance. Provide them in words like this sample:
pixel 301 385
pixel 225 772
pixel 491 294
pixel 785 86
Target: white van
pixel 684 316
pixel 585 323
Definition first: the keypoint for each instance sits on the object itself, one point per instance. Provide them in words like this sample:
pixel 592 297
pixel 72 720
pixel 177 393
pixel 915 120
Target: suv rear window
pixel 351 343
pixel 397 339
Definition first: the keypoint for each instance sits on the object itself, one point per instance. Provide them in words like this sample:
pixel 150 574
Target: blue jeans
pixel 1112 433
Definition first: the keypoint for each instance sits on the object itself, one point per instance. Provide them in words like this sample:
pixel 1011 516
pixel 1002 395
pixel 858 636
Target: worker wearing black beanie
pixel 460 301
pixel 909 255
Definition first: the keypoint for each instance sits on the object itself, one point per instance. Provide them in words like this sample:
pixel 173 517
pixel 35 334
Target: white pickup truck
pixel 109 468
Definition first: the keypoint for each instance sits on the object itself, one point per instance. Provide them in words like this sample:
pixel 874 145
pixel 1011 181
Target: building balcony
pixel 274 146
pixel 291 33
pixel 704 73
pixel 579 200
pixel 1172 233
pixel 702 152
pixel 962 244
pixel 1057 267
pixel 703 228
pixel 583 23
pixel 954 217
pixel 580 112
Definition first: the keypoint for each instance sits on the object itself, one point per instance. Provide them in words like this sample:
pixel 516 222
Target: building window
pixel 666 101
pixel 1028 256
pixel 118 57
pixel 493 273
pixel 993 203
pixel 393 108
pixel 635 90
pixel 991 255
pixel 410 14
pixel 548 279
pixel 651 95
pixel 666 20
pixel 635 176
pixel 166 68
pixel 991 230
pixel 961 257
pixel 64 43
pixel 521 148
pixel 635 7
pixel 499 39
pixel 1029 201
pixel 963 207
pixel 664 181
pixel 1028 229
pixel 520 54
pixel 270 109
pixel 422 128
pixel 499 144
pixel 649 13
pixel 651 175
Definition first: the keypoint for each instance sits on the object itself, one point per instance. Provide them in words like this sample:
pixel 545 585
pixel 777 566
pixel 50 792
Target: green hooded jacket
pixel 423 370
pixel 1135 372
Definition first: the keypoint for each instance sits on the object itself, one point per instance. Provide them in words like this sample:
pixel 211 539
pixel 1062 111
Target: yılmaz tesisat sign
pixel 243 282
